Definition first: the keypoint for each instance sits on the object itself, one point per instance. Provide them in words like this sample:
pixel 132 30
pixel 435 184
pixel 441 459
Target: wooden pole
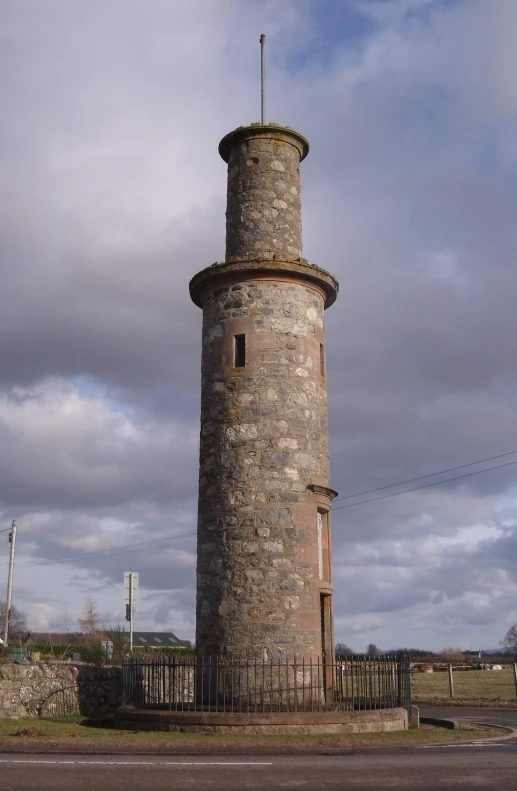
pixel 515 676
pixel 451 683
pixel 12 541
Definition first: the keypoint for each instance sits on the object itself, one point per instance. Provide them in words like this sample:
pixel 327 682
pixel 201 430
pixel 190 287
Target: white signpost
pixel 130 599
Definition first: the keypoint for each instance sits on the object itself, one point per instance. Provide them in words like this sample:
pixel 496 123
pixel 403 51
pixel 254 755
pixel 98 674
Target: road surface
pixel 424 769
pixel 470 766
pixel 506 717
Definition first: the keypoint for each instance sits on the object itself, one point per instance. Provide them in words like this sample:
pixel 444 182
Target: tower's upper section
pixel 263 214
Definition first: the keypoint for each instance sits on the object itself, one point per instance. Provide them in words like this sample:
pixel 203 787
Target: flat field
pixel 471 687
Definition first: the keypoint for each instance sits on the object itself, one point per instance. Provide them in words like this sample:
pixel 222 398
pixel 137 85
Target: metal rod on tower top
pixel 262 79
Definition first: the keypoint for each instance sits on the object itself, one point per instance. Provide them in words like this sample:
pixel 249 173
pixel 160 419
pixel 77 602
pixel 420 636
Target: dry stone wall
pixel 56 690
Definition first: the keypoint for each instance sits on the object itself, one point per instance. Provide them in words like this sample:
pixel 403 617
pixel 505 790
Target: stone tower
pixel 264 581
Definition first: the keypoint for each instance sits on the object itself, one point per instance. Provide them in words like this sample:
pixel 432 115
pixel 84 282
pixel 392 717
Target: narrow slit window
pixel 323 537
pixel 322 359
pixel 320 544
pixel 240 351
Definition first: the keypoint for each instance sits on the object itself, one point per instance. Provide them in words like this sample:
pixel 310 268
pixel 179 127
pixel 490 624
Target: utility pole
pixel 12 541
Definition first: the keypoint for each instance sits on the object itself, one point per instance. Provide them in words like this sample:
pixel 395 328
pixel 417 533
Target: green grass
pixel 471 687
pixel 74 735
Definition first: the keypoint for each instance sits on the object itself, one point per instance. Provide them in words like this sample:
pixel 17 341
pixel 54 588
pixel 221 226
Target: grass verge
pixel 77 735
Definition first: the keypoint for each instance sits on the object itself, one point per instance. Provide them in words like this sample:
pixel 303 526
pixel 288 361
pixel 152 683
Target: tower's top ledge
pixel 262 269
pixel 271 131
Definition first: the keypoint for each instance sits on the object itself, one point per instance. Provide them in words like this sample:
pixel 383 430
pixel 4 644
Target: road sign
pixel 130 587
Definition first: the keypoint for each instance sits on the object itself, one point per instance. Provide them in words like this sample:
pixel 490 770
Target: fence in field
pixel 253 686
pixel 471 681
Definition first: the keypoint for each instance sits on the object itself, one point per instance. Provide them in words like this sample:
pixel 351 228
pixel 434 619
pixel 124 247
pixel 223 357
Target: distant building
pixel 54 638
pixel 140 639
pixel 158 640
pixel 481 652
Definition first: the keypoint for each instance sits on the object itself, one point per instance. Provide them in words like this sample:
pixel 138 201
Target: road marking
pixel 468 744
pixel 138 763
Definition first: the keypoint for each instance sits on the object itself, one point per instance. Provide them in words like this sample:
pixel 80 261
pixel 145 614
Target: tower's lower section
pixel 264 587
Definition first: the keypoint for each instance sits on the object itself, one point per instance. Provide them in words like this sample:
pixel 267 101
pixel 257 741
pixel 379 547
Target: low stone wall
pixel 316 722
pixel 58 690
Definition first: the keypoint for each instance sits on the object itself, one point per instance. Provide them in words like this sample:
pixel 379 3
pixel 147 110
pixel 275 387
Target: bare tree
pixel 372 650
pixel 17 623
pixel 510 639
pixel 91 625
pixel 452 655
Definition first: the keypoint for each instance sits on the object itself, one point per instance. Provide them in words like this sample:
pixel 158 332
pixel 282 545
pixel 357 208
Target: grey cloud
pixel 114 197
pixel 61 450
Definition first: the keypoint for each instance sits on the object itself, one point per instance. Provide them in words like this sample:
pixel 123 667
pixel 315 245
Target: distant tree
pixel 342 651
pixel 90 625
pixel 372 650
pixel 415 654
pixel 17 623
pixel 419 653
pixel 452 655
pixel 510 639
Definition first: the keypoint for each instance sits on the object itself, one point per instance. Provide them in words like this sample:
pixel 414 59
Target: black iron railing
pixel 255 686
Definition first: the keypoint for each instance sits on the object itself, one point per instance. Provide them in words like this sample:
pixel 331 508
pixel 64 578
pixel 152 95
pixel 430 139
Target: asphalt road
pixel 428 770
pixel 506 717
pixel 470 766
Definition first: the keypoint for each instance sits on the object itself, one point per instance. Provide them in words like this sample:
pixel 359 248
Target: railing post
pixel 400 680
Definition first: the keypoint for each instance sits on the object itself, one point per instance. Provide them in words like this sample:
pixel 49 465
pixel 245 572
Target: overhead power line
pixel 421 477
pixel 5 530
pixel 425 486
pixel 147 545
pixel 97 552
pixel 101 553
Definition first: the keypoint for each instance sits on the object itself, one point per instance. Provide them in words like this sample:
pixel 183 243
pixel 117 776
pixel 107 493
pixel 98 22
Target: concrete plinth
pixel 317 722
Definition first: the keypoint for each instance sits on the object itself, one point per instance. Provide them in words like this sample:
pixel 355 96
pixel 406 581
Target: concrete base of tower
pixel 314 722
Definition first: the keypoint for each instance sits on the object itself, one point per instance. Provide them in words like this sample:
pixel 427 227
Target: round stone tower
pixel 264 581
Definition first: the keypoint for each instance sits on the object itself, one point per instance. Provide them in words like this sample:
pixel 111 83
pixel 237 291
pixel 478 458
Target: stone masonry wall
pixel 264 439
pixel 263 218
pixel 56 690
pixel 263 560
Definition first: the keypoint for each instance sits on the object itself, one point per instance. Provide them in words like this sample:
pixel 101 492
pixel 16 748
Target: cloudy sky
pixel 113 196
